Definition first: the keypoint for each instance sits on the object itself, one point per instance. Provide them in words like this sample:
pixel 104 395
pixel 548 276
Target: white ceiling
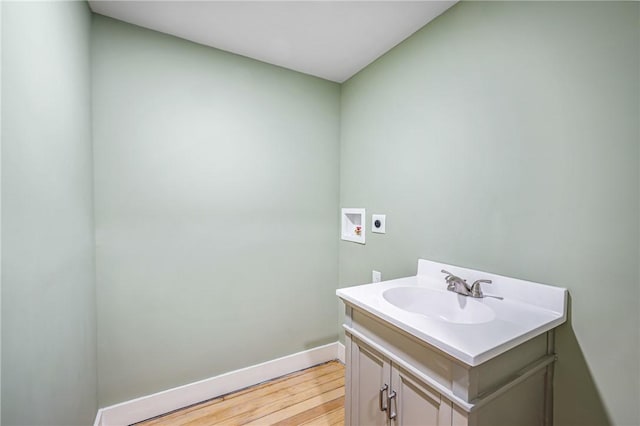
pixel 329 39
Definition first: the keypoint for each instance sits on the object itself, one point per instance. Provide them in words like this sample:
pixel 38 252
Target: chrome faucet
pixel 460 286
pixel 457 284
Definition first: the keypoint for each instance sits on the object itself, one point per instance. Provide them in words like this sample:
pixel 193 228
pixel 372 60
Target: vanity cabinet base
pixel 395 379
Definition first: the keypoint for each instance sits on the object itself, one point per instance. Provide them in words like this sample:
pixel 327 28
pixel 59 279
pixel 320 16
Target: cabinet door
pixel 415 403
pixel 370 373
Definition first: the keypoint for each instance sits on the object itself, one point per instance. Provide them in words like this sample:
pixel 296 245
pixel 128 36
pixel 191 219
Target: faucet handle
pixel 448 279
pixel 450 275
pixel 454 281
pixel 476 291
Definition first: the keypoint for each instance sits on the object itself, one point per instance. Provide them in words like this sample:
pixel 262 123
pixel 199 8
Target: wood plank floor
pixel 314 396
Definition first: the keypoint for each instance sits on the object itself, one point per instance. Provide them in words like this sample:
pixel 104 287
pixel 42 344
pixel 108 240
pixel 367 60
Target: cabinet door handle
pixel 392 398
pixel 382 398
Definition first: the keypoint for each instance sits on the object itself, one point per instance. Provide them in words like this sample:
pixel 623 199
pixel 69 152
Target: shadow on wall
pixel 575 390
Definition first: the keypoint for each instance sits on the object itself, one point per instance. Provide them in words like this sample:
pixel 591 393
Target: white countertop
pixel 528 310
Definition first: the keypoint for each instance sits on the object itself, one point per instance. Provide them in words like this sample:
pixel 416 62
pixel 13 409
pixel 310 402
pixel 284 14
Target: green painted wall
pixel 216 192
pixel 48 291
pixel 504 137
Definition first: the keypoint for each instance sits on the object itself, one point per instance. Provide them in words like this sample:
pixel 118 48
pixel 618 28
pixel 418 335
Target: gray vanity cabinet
pixel 395 379
pixel 417 354
pixel 382 393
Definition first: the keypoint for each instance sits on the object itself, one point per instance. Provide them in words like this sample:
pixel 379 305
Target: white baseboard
pixel 98 420
pixel 159 403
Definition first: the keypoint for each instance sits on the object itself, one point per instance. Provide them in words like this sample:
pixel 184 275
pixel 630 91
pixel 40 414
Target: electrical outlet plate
pixel 381 221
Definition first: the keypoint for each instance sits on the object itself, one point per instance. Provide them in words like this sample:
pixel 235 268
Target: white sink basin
pixel 442 305
pixel 471 330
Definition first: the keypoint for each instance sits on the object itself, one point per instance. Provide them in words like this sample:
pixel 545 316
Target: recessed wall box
pixel 353 225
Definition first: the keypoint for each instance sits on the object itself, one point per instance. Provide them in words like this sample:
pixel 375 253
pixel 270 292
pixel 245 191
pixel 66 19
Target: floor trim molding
pixel 153 405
